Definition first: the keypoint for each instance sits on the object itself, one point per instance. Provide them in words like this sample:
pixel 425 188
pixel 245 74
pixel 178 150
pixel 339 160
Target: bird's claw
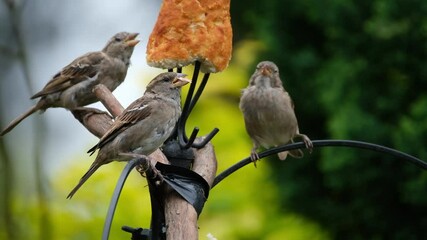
pixel 145 165
pixel 157 175
pixel 254 156
pixel 307 142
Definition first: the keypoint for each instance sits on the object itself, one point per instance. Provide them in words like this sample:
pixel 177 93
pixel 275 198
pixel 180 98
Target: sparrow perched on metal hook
pixel 143 126
pixel 72 86
pixel 268 112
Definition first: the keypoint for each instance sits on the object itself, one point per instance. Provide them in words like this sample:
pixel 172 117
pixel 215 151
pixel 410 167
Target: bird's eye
pixel 117 39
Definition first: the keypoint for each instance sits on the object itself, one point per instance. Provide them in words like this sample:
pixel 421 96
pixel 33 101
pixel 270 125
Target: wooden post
pixel 180 216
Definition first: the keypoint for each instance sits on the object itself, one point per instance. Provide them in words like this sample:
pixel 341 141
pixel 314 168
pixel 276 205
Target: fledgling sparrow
pixel 72 86
pixel 268 112
pixel 143 126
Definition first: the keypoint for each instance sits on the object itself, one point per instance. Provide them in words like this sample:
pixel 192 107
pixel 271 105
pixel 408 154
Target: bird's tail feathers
pixel 282 155
pixel 85 177
pixel 16 121
pixel 297 153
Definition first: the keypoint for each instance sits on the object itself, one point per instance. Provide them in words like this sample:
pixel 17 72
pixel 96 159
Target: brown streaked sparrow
pixel 143 126
pixel 268 112
pixel 72 86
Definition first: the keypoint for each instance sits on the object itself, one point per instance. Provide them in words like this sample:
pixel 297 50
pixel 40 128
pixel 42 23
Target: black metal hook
pixel 189 104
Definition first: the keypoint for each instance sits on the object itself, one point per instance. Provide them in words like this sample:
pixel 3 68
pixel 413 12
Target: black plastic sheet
pixel 190 185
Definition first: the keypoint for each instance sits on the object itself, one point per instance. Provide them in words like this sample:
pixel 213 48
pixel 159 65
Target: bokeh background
pixel 355 69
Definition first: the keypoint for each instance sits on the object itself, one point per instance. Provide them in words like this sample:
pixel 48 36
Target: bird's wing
pixel 81 69
pixel 137 111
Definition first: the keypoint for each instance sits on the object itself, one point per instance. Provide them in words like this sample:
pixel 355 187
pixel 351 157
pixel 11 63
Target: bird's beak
pixel 180 80
pixel 131 41
pixel 265 71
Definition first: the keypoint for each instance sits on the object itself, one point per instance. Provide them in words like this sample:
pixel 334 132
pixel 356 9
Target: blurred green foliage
pixel 356 70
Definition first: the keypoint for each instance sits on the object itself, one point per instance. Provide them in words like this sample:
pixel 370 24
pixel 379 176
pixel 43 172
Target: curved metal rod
pixel 190 93
pixel 189 104
pixel 199 91
pixel 115 198
pixel 182 137
pixel 206 139
pixel 324 143
pixel 178 70
pixel 190 141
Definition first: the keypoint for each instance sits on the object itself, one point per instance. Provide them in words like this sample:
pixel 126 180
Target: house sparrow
pixel 268 112
pixel 72 86
pixel 143 126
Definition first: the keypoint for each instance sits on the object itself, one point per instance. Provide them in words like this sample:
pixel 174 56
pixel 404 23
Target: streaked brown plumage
pixel 268 112
pixel 143 126
pixel 72 86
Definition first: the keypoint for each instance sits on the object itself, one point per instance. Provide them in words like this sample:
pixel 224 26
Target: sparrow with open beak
pixel 268 112
pixel 72 86
pixel 143 126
